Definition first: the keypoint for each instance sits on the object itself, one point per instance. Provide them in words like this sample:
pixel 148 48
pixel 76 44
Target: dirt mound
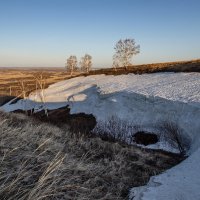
pixel 80 122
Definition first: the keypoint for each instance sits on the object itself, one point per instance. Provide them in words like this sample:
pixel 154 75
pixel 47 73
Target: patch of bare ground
pixel 43 161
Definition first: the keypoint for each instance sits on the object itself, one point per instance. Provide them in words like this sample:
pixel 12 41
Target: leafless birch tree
pixel 124 51
pixel 71 64
pixel 86 63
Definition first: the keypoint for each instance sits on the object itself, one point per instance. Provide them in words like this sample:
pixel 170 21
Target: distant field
pixel 15 81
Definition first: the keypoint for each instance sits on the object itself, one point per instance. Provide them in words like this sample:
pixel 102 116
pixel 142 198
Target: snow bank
pixel 181 182
pixel 145 100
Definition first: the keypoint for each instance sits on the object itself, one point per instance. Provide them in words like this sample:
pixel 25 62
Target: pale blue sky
pixel 42 33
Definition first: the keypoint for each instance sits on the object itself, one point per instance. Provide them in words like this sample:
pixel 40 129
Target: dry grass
pixel 41 161
pixel 182 66
pixel 11 79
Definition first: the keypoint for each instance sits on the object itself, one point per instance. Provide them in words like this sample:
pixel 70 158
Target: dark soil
pixel 78 123
pixel 145 138
pixel 6 99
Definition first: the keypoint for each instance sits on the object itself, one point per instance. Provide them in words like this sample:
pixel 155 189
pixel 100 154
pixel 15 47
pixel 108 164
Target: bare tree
pixel 115 64
pixel 40 85
pixel 86 63
pixel 172 133
pixel 71 64
pixel 124 51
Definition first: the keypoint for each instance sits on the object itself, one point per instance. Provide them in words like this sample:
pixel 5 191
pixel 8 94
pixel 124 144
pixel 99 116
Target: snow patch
pixel 146 100
pixel 181 182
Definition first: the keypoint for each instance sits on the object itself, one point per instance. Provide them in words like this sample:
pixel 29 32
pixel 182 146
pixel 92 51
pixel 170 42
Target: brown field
pixel 21 81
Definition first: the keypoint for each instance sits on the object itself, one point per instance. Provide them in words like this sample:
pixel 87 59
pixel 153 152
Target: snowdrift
pixel 146 100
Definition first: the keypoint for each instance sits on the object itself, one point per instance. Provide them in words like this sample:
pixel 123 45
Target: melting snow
pixel 145 100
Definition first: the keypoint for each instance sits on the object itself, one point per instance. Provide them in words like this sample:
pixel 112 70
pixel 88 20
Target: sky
pixel 44 33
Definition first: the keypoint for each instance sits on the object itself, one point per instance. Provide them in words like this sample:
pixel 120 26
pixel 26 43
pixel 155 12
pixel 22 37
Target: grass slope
pixel 42 161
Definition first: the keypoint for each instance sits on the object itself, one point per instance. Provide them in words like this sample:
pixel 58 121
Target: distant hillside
pixel 180 66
